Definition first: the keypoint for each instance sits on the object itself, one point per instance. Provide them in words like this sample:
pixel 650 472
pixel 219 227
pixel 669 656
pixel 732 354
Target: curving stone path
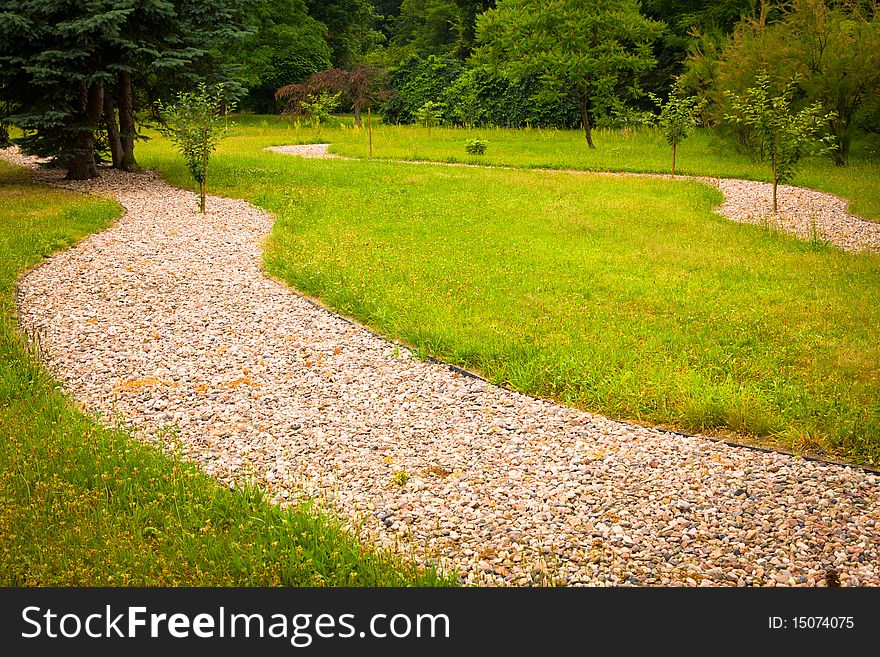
pixel 803 212
pixel 167 319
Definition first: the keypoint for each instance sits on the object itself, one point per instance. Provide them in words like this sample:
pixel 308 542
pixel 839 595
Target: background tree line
pixel 712 49
pixel 78 76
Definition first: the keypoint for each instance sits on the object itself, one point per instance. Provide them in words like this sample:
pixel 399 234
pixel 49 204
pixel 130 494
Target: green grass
pixel 628 297
pixel 85 505
pixel 705 154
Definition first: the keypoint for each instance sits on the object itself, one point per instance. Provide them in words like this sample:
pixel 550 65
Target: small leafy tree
pixel 315 103
pixel 196 122
pixel 786 136
pixel 679 117
pixel 319 107
pixel 430 114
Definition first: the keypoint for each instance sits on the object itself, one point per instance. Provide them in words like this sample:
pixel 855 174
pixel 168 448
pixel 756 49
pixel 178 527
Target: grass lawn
pixel 628 297
pixel 704 154
pixel 83 505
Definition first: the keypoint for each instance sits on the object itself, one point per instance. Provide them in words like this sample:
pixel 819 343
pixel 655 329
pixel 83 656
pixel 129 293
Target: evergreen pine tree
pixel 70 69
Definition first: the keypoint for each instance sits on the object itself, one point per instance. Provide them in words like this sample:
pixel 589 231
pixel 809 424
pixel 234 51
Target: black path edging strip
pixel 770 450
pixel 671 432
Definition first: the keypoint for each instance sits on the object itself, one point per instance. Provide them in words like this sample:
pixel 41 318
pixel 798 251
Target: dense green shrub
pixel 473 96
pixel 476 146
pixel 481 97
pixel 318 108
pixel 416 82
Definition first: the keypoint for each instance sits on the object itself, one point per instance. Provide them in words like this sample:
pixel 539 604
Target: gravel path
pixel 167 319
pixel 803 212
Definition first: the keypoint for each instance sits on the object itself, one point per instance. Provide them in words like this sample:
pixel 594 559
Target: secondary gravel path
pixel 167 319
pixel 803 212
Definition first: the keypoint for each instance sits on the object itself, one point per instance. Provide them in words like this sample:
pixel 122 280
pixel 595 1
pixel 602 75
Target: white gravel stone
pixel 805 213
pixel 167 320
pixel 316 151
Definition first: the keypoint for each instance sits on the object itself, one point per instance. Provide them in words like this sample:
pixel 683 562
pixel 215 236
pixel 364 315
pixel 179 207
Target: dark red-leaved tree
pixel 359 87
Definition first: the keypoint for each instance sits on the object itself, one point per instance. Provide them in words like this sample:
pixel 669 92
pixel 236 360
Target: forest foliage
pixel 80 79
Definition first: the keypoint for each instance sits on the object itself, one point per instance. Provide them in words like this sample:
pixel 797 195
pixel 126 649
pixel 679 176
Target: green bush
pixel 319 108
pixel 482 97
pixel 416 82
pixel 473 96
pixel 476 146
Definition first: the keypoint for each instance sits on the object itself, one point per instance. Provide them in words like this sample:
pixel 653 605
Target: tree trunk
pixel 202 192
pixel 112 131
pixel 673 159
pixel 370 128
pixel 127 131
pixel 357 115
pixel 842 128
pixel 585 121
pixel 82 165
pixel 840 155
pixel 775 179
